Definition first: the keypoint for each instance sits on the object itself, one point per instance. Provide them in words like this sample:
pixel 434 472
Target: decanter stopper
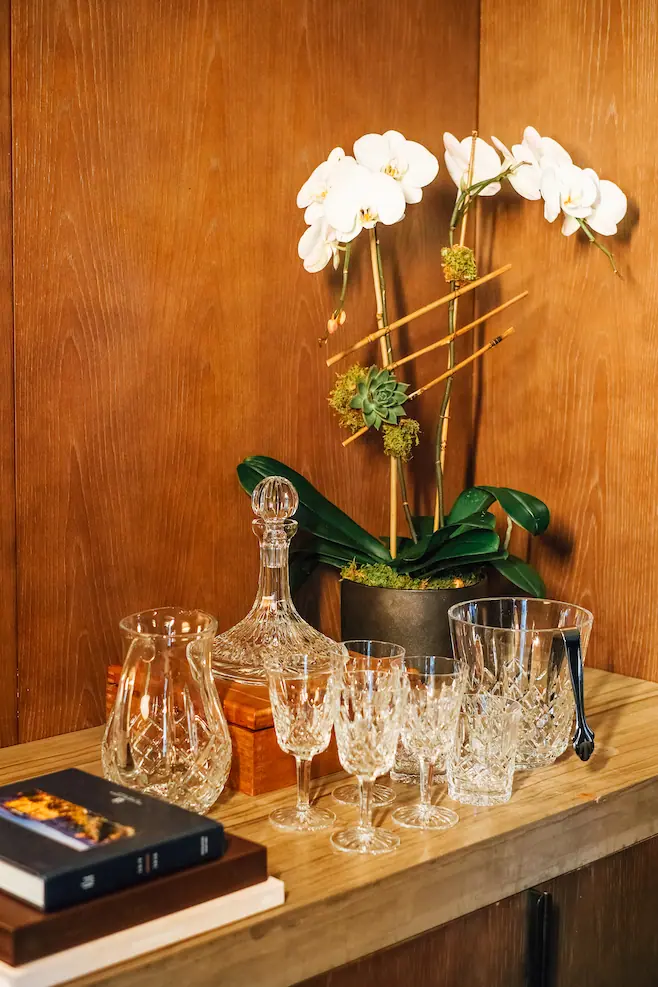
pixel 274 499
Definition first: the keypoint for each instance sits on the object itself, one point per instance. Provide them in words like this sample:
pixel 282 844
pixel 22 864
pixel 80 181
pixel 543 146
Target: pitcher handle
pixel 583 740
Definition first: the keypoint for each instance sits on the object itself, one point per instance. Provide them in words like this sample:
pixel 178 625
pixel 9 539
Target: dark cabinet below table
pixel 594 927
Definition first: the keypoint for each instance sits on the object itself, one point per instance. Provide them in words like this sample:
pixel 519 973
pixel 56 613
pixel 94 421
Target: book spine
pixel 80 884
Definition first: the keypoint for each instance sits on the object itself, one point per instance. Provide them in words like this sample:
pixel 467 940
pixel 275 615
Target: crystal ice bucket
pixel 167 735
pixel 531 651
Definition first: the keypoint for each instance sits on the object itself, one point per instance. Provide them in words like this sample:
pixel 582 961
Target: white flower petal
pixel 314 212
pixel 553 153
pixel 387 198
pixel 341 207
pixel 570 225
pixel 318 259
pixel 423 167
pixel 455 168
pixel 505 151
pixel 610 209
pixel 526 180
pixel 492 189
pixel 532 138
pixel 411 192
pixel 372 151
pixel 550 191
pixel 335 155
pixel 309 240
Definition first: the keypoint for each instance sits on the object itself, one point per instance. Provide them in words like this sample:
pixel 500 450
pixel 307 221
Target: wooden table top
pixel 339 907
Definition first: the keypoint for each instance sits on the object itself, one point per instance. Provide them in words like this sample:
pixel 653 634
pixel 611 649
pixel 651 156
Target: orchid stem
pixel 346 271
pixel 597 243
pixel 402 480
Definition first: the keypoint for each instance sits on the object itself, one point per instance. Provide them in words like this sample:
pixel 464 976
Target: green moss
pixel 384 576
pixel 400 439
pixel 340 398
pixel 459 264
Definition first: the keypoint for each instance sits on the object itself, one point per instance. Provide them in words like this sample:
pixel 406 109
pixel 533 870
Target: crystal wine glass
pixel 372 694
pixel 436 686
pixel 348 794
pixel 303 695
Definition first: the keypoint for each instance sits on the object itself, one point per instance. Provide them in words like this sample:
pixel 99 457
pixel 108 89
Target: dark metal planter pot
pixel 415 618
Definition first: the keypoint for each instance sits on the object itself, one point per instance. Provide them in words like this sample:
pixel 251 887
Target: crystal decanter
pixel 273 623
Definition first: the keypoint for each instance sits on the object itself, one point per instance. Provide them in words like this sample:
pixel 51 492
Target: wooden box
pixel 259 765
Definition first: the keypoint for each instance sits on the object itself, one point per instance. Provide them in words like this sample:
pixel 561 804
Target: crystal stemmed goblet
pixel 348 794
pixel 303 698
pixel 436 686
pixel 371 698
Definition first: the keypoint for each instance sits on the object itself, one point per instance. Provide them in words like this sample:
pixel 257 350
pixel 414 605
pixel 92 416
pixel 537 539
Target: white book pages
pixel 145 938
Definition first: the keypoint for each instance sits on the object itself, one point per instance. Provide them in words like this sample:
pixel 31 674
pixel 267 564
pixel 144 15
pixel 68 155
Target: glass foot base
pixel 359 840
pixel 425 817
pixel 308 820
pixel 469 796
pixel 405 777
pixel 349 795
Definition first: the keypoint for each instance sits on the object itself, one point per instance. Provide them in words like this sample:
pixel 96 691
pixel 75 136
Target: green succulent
pixel 379 398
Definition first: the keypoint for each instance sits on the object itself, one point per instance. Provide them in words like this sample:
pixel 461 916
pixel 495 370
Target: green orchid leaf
pixel 491 558
pixel 529 512
pixel 470 501
pixel 300 569
pixel 316 514
pixel 481 520
pixel 522 574
pixel 465 548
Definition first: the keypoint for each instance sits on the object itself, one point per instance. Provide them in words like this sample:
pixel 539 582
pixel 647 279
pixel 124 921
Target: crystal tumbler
pixel 167 735
pixel 481 763
pixel 522 648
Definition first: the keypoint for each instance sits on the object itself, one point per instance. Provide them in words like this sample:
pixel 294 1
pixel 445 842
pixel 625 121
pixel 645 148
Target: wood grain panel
pixel 572 418
pixel 444 957
pixel 603 931
pixel 165 327
pixel 8 685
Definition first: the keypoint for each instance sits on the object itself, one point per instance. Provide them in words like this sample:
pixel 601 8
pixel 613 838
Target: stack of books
pixel 83 859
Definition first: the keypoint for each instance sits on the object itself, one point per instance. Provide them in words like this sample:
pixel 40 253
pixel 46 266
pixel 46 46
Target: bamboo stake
pixel 393 483
pixel 420 311
pixel 437 380
pixel 445 340
pixel 469 359
pixel 445 414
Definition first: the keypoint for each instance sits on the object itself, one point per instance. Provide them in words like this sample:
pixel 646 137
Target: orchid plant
pixel 346 194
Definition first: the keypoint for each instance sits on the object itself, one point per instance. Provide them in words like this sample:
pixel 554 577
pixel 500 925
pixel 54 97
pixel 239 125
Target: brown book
pixel 27 934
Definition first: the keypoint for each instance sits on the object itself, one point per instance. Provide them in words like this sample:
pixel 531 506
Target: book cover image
pixel 60 820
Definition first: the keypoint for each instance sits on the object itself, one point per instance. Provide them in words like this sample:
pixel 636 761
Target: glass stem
pixel 426 776
pixel 303 784
pixel 365 802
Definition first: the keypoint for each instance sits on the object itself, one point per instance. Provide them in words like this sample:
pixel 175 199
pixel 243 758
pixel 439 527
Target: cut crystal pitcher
pixel 531 651
pixel 167 735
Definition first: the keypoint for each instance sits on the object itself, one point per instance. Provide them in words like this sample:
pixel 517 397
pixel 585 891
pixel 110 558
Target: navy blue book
pixel 70 836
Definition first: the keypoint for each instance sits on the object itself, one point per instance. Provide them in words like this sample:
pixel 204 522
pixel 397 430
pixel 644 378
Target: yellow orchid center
pixel 367 216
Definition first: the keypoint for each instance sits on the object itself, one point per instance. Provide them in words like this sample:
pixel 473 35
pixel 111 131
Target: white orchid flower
pixel 486 162
pixel 408 162
pixel 569 189
pixel 546 151
pixel 525 176
pixel 362 198
pixel 608 209
pixel 317 246
pixel 314 191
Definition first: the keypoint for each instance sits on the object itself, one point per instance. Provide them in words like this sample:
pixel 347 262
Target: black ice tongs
pixel 583 739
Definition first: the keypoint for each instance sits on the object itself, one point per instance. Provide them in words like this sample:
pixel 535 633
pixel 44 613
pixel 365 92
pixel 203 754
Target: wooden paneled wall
pixel 164 326
pixel 8 666
pixel 576 420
